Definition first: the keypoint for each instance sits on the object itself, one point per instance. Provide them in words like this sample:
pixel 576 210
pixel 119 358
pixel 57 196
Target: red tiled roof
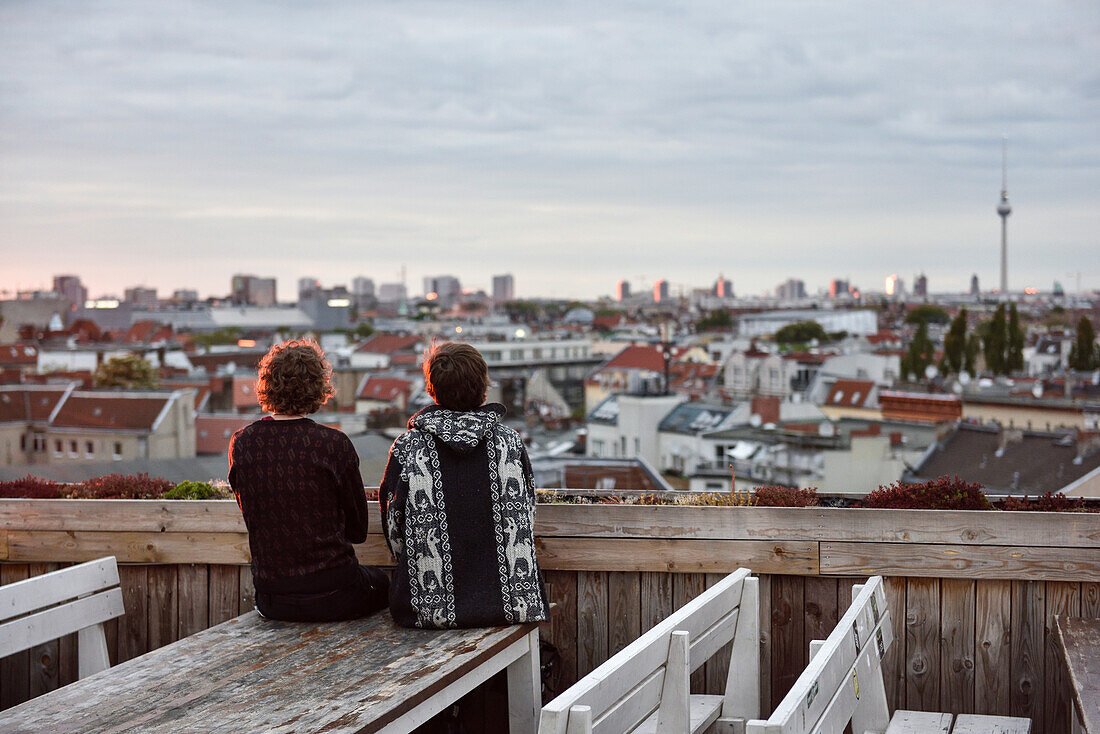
pixel 103 411
pixel 84 377
pixel 212 432
pixel 142 332
pixel 850 393
pixel 637 358
pixel 388 344
pixel 883 335
pixel 412 359
pixel 18 354
pixel 385 389
pixel 806 357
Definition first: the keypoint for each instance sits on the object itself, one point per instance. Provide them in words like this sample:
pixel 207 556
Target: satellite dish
pixel 826 429
pixel 1037 391
pixel 964 378
pixel 957 388
pixel 930 371
pixel 755 420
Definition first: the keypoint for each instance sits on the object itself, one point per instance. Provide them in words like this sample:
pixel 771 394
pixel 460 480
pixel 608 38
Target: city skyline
pixel 573 146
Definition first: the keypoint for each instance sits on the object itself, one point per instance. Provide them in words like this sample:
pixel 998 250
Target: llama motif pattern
pixel 513 518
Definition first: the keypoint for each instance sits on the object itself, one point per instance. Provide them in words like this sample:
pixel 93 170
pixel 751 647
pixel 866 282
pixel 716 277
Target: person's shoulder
pixel 508 434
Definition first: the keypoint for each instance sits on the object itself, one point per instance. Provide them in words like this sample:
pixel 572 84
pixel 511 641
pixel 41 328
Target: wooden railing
pixel 976 591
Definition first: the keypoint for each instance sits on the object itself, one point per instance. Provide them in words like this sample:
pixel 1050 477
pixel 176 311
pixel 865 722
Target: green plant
pixel 128 371
pixel 1084 355
pixel 31 487
pixel 801 332
pixel 927 313
pixel 194 491
pixel 121 486
pixel 944 493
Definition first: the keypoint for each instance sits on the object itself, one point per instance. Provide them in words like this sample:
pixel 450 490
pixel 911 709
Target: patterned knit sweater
pixel 301 494
pixel 458 506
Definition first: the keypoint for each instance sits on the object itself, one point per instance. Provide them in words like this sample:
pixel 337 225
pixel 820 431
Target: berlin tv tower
pixel 1004 209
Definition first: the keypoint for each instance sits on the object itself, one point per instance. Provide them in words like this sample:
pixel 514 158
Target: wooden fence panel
pixel 788 634
pixel 563 625
pixel 163 613
pixel 133 629
pixel 1028 616
pixel 922 644
pixel 14 669
pixel 893 665
pixel 624 609
pixel 765 584
pixel 957 602
pixel 591 620
pixel 42 658
pixel 224 591
pixel 1062 599
pixel 993 646
pixel 1090 599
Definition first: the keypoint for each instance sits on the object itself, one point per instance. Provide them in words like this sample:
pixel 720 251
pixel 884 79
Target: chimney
pixel 1007 437
pixel 766 408
pixel 1086 444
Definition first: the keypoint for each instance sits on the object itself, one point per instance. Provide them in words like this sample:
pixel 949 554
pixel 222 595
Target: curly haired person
pixel 458 506
pixel 299 488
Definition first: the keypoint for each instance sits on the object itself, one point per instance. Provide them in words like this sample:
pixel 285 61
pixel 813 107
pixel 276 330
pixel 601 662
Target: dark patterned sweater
pixel 302 497
pixel 458 506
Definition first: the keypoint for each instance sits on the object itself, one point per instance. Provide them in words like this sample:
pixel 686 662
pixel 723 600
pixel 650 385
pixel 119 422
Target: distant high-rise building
pixel 723 287
pixel 894 287
pixel 141 296
pixel 362 287
pixel 504 288
pixel 920 286
pixel 792 289
pixel 660 291
pixel 251 290
pixel 71 289
pixel 975 289
pixel 185 295
pixel 443 289
pixel 622 290
pixel 392 292
pixel 839 288
pixel 308 288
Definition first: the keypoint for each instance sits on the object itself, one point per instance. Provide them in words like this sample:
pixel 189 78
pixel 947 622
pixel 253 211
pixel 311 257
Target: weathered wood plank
pixel 993 638
pixel 133 627
pixel 1062 599
pixel 248 590
pixel 224 593
pixel 624 608
pixel 563 625
pixel 971 724
pixel 893 665
pixel 163 612
pixel 717 668
pixel 14 675
pixel 788 641
pixel 957 600
pixel 682 556
pixel 959 561
pixel 1090 599
pixel 765 591
pixel 922 644
pixel 154 516
pixel 821 610
pixel 1028 616
pixel 591 620
pixel 44 674
pixel 656 595
pixel 127 547
pixel 685 587
pixel 193 596
pixel 819 523
pixel 1077 641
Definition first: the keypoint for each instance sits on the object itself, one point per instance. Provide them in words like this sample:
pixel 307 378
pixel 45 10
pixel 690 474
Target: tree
pixel 928 314
pixel 920 354
pixel 719 319
pixel 800 332
pixel 363 329
pixel 1084 355
pixel 1014 352
pixel 994 342
pixel 128 371
pixel 954 345
pixel 973 349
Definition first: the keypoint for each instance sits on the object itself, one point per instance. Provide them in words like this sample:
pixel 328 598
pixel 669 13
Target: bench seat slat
pixel 978 724
pixel 35 629
pixel 919 722
pixel 24 597
pixel 702 712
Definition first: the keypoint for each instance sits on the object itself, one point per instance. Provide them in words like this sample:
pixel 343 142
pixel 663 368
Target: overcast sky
pixel 572 144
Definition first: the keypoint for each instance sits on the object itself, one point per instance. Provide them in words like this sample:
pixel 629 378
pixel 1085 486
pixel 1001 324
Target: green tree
pixel 1084 355
pixel 928 314
pixel 973 349
pixel 718 319
pixel 127 371
pixel 363 329
pixel 1014 352
pixel 954 345
pixel 995 341
pixel 920 354
pixel 801 332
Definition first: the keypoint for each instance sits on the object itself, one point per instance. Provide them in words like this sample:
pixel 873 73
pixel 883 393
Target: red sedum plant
pixel 122 487
pixel 780 496
pixel 1048 502
pixel 944 493
pixel 30 487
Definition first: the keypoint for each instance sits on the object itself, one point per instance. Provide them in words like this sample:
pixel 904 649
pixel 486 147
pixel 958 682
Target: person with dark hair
pixel 299 488
pixel 458 507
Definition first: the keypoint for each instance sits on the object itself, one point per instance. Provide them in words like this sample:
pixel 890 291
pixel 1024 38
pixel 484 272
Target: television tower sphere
pixel 1004 208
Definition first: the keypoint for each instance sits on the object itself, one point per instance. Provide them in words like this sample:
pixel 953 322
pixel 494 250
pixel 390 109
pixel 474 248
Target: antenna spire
pixel 1004 166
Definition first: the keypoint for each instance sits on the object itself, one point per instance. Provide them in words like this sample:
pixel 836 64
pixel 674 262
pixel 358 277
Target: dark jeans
pixel 368 594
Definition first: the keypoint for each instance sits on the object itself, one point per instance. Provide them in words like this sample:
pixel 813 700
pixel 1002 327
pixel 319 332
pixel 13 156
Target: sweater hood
pixel 461 431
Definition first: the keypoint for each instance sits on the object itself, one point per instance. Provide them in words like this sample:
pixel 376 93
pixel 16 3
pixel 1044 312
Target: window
pixel 89 449
pixel 516 355
pixel 537 353
pixel 23 442
pixel 58 447
pixel 74 449
pixel 116 451
pixel 622 446
pixel 597 448
pixel 637 446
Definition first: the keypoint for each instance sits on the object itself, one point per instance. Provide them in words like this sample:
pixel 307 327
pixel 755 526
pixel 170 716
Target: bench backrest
pixel 625 690
pixel 76 599
pixel 843 681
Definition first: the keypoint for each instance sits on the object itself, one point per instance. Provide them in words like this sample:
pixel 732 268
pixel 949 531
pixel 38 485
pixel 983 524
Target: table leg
pixel 525 689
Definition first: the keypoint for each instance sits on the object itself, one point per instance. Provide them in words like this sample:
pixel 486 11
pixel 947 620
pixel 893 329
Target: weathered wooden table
pixel 1078 640
pixel 251 674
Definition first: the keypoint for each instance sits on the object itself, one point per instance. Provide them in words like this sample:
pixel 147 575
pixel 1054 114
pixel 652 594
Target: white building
pixel 855 321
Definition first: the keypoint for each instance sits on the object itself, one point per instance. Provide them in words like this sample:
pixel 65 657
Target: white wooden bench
pixel 645 686
pixel 77 599
pixel 843 683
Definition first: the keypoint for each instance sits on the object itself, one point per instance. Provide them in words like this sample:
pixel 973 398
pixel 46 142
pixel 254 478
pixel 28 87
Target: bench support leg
pixel 525 689
pixel 742 699
pixel 91 651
